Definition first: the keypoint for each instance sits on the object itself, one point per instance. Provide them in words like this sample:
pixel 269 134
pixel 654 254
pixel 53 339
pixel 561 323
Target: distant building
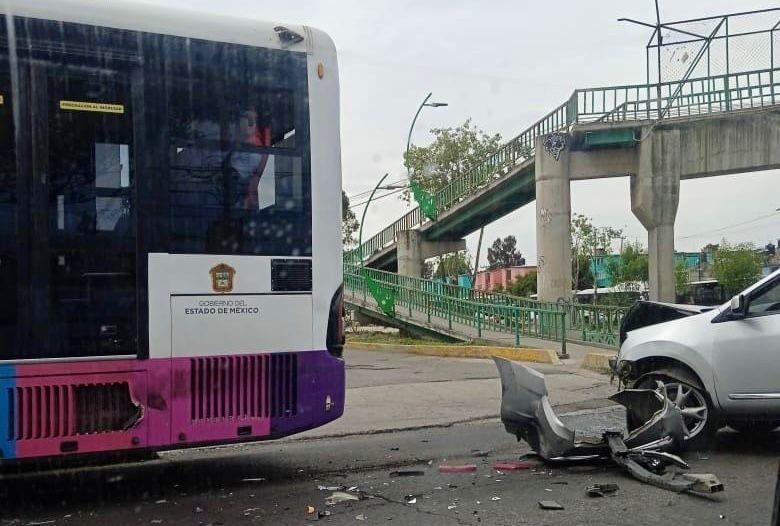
pixel 490 279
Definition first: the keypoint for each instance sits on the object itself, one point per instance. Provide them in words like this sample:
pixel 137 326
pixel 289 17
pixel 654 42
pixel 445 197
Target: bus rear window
pixel 238 156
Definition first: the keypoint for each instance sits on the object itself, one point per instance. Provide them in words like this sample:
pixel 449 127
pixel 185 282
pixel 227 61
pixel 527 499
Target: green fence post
pixel 449 312
pixel 517 329
pixel 428 307
pixel 564 354
pixel 479 320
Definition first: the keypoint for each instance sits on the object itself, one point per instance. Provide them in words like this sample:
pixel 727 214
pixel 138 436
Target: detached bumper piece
pixel 644 452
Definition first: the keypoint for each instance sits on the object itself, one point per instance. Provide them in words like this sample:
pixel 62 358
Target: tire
pixel 755 427
pixel 700 421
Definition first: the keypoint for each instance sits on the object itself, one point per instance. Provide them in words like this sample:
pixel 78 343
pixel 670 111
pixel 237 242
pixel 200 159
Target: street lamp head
pixel 436 104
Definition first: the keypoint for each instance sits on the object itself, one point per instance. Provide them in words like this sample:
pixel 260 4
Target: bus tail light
pixel 334 340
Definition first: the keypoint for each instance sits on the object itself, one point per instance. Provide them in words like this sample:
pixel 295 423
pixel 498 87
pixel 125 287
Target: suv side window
pixel 767 302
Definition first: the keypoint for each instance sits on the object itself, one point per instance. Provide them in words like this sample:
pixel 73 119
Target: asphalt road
pixel 275 482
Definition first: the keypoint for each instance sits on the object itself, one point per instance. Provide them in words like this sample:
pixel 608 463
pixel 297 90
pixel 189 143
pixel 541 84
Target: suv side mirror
pixel 738 306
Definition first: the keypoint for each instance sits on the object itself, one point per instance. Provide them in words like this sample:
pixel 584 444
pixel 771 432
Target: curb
pixel 521 354
pixel 598 361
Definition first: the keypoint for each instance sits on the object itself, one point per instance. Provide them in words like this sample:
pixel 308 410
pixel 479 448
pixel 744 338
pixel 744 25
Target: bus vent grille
pixel 291 275
pixel 284 385
pixel 51 411
pixel 235 387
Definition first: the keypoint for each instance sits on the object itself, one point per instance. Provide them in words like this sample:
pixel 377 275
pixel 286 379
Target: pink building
pixel 492 278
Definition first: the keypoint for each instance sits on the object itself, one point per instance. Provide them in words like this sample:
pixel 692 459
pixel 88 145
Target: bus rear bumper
pixel 68 408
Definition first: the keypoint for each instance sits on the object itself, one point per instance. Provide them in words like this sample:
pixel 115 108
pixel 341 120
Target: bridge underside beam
pixel 413 250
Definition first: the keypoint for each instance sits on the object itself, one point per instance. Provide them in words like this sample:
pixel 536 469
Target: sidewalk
pixel 391 391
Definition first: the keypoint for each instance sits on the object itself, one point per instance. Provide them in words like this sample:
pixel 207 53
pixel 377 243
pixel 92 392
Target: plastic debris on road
pixel 331 488
pixel 480 453
pixel 550 505
pixel 513 465
pixel 340 496
pixel 601 490
pixel 407 473
pixel 360 517
pixel 457 468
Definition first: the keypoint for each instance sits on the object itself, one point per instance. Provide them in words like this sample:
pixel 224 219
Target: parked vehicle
pixel 719 366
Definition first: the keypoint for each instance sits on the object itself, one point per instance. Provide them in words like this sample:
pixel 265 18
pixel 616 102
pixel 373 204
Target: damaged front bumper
pixel 643 451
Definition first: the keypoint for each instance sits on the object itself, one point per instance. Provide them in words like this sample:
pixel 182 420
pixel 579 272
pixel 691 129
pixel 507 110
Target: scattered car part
pixel 643 451
pixel 513 465
pixel 601 490
pixel 464 468
pixel 550 505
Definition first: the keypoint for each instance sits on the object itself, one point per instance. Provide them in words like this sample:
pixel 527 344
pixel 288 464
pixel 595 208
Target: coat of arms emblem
pixel 222 277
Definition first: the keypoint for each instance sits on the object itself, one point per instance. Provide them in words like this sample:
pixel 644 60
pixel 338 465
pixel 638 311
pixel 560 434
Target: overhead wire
pixel 392 192
pixel 729 227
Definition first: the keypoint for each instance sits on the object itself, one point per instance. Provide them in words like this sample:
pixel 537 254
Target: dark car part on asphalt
pixel 601 490
pixel 643 451
pixel 549 505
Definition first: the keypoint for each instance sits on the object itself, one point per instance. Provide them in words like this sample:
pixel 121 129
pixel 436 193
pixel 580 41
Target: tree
pixel 736 266
pixel 453 152
pixel 453 265
pixel 587 241
pixel 682 284
pixel 503 253
pixel 629 272
pixel 524 285
pixel 349 222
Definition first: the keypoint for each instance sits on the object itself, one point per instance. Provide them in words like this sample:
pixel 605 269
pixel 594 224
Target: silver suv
pixel 720 366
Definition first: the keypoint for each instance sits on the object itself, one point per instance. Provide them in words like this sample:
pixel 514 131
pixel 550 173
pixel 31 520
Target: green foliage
pixel 736 266
pixel 587 241
pixel 682 284
pixel 523 286
pixel 349 222
pixel 503 253
pixel 453 265
pixel 630 270
pixel 453 152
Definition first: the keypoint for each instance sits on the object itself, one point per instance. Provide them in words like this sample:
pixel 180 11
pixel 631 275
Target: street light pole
pixel 411 128
pixel 363 218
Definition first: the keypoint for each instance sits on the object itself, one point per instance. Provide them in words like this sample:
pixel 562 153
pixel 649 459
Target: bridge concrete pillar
pixel 409 245
pixel 655 196
pixel 553 220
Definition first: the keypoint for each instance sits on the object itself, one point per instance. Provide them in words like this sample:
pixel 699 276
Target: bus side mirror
pixel 738 306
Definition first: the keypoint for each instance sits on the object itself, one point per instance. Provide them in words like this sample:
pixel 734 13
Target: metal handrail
pixel 594 323
pixel 612 104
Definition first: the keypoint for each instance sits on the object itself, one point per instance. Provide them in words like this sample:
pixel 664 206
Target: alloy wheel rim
pixel 691 404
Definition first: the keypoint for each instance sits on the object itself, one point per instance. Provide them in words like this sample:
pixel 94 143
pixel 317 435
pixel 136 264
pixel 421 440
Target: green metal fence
pixel 451 311
pixel 485 310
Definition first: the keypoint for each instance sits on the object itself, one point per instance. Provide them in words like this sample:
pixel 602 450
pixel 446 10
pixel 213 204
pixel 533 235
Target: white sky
pixel 505 63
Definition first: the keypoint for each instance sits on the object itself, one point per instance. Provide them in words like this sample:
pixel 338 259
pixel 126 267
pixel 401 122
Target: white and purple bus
pixel 170 229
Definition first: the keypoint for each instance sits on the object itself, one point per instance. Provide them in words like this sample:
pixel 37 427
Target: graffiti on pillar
pixel 555 143
pixel 540 262
pixel 545 216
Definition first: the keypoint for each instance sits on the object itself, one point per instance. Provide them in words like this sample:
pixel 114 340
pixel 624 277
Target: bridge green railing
pixel 490 310
pixel 637 102
pixel 451 310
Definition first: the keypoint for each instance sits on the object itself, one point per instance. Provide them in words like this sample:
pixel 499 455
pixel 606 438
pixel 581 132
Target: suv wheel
pixel 699 418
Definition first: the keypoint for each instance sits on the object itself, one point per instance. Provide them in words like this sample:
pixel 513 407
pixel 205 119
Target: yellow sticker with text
pixel 100 107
